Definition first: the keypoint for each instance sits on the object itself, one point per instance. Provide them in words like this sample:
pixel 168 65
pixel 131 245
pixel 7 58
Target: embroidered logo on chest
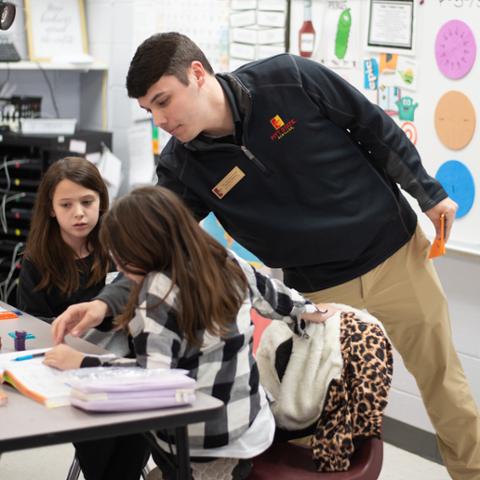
pixel 281 127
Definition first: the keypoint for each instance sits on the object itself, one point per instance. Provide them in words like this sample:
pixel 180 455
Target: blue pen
pixel 29 357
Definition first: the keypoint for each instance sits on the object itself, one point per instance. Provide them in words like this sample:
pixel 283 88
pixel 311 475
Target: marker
pixel 29 357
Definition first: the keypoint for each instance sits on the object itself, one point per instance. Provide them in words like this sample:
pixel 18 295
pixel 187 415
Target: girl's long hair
pixel 45 248
pixel 151 230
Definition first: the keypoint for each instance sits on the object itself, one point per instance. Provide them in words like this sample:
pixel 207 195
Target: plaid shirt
pixel 223 367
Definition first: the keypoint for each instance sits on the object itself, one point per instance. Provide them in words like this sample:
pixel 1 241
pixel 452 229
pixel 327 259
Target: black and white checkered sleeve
pixel 273 299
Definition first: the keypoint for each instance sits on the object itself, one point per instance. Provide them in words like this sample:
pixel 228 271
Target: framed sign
pixel 391 26
pixel 56 28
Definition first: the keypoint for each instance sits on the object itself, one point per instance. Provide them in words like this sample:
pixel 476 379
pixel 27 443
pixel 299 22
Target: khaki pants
pixel 404 292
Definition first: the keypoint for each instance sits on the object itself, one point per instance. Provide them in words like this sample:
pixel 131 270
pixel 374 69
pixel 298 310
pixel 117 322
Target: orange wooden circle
pixel 455 120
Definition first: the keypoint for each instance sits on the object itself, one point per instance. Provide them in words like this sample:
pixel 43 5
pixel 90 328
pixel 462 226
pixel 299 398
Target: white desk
pixel 26 423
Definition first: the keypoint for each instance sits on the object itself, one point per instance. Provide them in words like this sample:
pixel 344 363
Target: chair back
pixel 285 461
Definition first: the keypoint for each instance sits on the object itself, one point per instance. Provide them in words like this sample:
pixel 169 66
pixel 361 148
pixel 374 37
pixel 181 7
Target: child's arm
pixel 158 348
pixel 115 295
pixel 271 298
pixel 78 318
pixel 63 357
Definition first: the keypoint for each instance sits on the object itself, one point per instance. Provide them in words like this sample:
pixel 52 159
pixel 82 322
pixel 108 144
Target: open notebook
pixel 34 379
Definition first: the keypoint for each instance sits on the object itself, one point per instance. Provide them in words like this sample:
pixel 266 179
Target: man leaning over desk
pixel 302 170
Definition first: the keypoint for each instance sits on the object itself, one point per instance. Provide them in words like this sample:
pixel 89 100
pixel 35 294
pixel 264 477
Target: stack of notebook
pixel 111 389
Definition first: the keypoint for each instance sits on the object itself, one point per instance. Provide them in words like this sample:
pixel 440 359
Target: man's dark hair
pixel 168 53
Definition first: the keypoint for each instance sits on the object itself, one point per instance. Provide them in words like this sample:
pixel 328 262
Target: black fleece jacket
pixel 319 198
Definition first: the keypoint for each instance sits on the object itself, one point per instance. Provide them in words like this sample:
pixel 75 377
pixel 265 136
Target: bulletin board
pixel 435 86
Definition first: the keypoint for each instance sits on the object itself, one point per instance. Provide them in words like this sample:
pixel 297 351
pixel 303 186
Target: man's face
pixel 176 107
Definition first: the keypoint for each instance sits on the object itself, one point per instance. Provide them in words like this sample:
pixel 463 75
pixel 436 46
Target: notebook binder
pixel 109 389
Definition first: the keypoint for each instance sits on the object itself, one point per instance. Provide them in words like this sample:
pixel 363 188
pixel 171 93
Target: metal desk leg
pixel 183 453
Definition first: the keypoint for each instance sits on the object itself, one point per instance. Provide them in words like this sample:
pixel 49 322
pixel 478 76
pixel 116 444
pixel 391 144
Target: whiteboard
pixel 431 85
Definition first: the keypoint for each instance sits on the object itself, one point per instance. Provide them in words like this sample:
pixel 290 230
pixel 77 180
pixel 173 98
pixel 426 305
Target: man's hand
pixel 324 311
pixel 447 207
pixel 63 357
pixel 77 319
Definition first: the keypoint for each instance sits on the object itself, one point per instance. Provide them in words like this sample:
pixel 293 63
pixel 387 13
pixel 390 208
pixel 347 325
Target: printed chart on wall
pixel 417 60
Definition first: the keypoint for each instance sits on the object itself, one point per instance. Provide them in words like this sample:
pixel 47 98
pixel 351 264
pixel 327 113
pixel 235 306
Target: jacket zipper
pixel 245 150
pixel 254 159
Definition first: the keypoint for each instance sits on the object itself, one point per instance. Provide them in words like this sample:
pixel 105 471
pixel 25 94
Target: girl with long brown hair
pixel 64 262
pixel 190 308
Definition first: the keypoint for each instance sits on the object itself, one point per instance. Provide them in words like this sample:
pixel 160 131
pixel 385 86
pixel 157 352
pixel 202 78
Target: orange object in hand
pixel 438 246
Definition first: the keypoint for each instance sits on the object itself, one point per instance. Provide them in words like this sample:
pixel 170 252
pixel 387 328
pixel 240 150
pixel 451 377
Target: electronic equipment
pixel 8 52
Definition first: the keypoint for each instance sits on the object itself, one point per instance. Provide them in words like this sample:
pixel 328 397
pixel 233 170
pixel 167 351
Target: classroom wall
pixel 110 31
pixel 112 42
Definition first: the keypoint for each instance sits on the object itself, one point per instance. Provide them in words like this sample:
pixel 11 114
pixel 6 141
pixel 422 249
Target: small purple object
pixel 455 49
pixel 19 340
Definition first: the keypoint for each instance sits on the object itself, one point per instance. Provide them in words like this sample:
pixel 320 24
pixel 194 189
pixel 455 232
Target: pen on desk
pixel 29 357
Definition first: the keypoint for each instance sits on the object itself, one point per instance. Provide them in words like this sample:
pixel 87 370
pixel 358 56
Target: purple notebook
pixel 110 389
pixel 127 384
pixel 118 403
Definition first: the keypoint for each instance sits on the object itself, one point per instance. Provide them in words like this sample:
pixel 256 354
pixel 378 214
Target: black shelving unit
pixel 23 160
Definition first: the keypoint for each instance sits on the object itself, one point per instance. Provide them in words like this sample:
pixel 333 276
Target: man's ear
pixel 198 72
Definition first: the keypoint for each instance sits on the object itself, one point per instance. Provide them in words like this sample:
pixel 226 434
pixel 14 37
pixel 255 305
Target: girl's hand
pixel 63 357
pixel 324 311
pixel 78 318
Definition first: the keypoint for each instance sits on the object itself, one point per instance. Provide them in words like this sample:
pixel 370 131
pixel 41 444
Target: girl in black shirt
pixel 64 263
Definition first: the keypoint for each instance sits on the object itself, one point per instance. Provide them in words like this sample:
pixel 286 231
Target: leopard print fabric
pixel 354 405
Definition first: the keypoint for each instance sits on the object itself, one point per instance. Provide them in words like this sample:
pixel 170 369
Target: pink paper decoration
pixel 455 49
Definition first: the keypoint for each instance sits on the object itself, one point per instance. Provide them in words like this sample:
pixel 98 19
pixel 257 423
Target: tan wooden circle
pixel 455 120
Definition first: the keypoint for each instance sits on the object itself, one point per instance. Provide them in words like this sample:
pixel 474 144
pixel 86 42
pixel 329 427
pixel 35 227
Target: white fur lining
pixel 315 361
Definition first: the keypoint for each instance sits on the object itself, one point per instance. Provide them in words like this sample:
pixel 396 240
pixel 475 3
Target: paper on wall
pixel 110 168
pixel 405 76
pixel 142 163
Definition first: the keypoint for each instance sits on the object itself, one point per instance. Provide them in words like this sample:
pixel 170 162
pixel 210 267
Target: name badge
pixel 227 182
